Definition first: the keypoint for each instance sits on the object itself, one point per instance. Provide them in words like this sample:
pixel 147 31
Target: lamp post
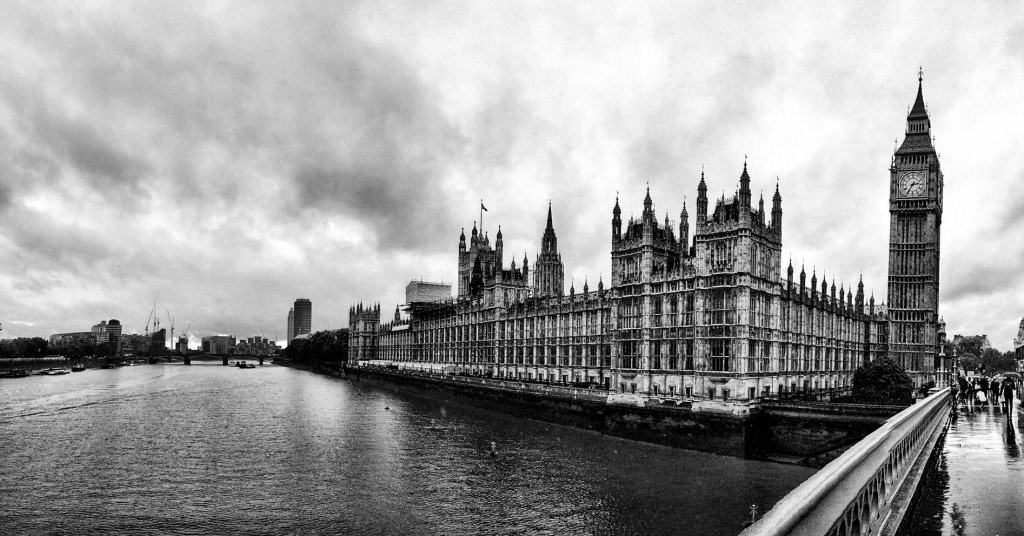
pixel 943 376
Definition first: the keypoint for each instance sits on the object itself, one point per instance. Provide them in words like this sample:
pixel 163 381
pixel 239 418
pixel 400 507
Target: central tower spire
pixel 548 278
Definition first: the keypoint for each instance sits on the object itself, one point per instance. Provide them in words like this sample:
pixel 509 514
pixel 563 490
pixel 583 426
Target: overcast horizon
pixel 223 159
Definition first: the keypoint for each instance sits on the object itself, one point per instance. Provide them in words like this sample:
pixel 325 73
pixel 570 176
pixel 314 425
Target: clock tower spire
pixel 915 218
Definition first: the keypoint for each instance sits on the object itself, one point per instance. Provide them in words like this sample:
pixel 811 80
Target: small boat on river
pixel 78 367
pixel 245 364
pixel 57 371
pixel 17 373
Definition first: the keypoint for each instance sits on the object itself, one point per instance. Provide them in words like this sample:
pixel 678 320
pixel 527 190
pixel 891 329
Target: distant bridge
pixel 869 488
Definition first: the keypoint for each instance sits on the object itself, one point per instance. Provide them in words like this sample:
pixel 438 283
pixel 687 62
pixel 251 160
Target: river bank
pixel 724 434
pixel 808 437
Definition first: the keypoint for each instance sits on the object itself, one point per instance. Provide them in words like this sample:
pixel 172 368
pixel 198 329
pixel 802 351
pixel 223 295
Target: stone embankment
pixel 804 436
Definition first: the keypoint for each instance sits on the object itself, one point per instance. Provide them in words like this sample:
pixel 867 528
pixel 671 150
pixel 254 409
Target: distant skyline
pixel 224 159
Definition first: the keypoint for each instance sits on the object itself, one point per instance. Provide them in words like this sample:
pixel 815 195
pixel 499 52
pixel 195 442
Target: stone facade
pixel 707 317
pixel 915 208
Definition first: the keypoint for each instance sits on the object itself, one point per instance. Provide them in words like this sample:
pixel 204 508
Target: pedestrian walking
pixel 1009 389
pixel 964 394
pixel 983 389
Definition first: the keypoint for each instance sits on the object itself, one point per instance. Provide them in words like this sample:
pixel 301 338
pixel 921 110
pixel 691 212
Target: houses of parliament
pixel 707 312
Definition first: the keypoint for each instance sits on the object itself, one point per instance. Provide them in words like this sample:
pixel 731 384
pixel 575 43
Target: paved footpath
pixel 981 471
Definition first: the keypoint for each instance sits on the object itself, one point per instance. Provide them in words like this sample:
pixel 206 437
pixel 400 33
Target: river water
pixel 208 449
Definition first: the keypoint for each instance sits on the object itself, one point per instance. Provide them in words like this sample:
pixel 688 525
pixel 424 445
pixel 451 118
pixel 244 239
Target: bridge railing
pixel 853 495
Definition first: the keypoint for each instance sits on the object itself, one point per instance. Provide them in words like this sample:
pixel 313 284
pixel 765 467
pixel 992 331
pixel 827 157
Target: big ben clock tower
pixel 915 215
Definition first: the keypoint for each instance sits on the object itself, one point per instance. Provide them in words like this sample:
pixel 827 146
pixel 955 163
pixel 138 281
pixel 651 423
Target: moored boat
pixel 78 367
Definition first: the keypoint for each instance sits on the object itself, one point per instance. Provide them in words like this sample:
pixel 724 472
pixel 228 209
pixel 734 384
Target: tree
pixel 882 381
pixel 972 356
pixel 323 348
pixel 23 347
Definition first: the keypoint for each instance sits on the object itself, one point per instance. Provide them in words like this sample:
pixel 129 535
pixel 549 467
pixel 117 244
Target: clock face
pixel 912 184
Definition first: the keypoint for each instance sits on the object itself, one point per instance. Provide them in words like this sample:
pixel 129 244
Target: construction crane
pixel 148 318
pixel 169 317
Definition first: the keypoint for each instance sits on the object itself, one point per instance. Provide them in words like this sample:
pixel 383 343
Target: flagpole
pixel 481 216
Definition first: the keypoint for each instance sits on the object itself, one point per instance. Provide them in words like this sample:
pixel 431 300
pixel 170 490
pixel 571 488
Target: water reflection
pixel 979 471
pixel 1012 447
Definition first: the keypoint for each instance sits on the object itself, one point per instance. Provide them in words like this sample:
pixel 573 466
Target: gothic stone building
pixel 715 316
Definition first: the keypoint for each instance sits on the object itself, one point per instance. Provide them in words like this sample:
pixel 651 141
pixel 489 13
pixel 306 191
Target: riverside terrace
pixel 807 431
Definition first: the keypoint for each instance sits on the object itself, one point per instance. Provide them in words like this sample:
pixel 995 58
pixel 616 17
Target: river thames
pixel 208 449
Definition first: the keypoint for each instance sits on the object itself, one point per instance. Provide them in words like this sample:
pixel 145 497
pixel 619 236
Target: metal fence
pixel 559 391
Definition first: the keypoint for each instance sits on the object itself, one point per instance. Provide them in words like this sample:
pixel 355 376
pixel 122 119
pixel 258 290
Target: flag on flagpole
pixel 482 207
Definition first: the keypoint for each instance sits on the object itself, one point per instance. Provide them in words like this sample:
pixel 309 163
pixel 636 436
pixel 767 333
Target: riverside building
pixel 714 316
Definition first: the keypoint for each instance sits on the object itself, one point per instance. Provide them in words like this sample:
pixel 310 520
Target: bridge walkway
pixel 981 471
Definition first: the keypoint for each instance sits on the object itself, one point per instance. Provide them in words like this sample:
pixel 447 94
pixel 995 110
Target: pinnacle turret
pixel 648 215
pixel 777 209
pixel 684 229
pixel 702 201
pixel 548 277
pixel 616 220
pixel 744 191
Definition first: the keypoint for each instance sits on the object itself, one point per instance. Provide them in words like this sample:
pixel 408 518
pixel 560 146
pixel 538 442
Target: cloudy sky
pixel 220 159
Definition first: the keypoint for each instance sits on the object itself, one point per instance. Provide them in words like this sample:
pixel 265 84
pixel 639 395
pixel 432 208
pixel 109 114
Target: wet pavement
pixel 977 488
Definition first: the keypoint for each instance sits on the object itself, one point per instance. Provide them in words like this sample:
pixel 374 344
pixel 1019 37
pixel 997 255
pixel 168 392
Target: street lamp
pixel 947 367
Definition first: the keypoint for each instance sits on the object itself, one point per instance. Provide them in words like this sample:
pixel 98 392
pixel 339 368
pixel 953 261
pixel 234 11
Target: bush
pixel 882 381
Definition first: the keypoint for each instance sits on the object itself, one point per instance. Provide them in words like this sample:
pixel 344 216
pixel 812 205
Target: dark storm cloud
pixel 404 210
pixel 5 195
pixel 47 244
pixel 675 141
pixel 1010 212
pixel 1014 44
pixel 389 166
pixel 257 146
pixel 106 165
pixel 985 279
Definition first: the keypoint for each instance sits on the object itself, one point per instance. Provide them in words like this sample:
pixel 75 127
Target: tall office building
pixel 291 324
pixel 302 318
